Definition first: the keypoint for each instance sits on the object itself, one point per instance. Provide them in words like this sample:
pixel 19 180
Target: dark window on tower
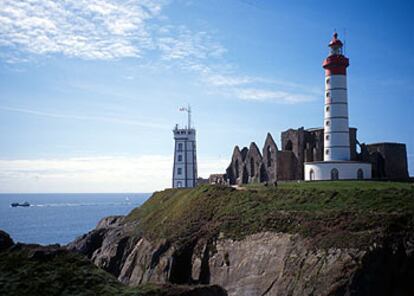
pixel 327 151
pixel 328 94
pixel 327 123
pixel 327 137
pixel 179 171
pixel 327 108
pixel 180 146
pixel 180 157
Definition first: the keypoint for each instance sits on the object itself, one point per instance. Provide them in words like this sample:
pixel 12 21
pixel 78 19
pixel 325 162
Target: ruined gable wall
pixel 270 164
pixel 254 164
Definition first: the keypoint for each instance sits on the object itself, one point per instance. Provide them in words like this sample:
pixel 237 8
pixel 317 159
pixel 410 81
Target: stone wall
pixel 389 160
pixel 249 165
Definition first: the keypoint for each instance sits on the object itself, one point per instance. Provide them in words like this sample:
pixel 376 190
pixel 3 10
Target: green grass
pixel 330 213
pixel 337 185
pixel 65 274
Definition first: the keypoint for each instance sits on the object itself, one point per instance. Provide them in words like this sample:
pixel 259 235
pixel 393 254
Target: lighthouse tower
pixel 336 141
pixel 337 162
pixel 185 160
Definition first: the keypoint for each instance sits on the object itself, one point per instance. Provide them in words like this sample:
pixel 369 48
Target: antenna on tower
pixel 188 110
pixel 189 116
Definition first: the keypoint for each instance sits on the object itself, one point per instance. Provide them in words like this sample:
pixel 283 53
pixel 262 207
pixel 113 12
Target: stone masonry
pixel 250 165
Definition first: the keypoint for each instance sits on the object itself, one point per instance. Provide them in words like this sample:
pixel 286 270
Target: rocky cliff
pixel 344 238
pixel 53 270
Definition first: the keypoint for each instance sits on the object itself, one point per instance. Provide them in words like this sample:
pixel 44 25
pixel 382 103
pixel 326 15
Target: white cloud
pixel 145 173
pixel 253 94
pixel 110 29
pixel 223 80
pixel 89 29
pixel 111 119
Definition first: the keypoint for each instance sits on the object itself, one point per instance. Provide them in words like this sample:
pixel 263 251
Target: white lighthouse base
pixel 337 170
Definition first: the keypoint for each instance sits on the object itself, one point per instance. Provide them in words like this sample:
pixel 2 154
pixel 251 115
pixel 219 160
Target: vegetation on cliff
pixel 51 270
pixel 340 214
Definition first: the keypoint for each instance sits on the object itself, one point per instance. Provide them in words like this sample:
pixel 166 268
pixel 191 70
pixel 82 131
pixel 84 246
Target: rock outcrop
pixel 30 269
pixel 269 264
pixel 304 254
pixel 5 241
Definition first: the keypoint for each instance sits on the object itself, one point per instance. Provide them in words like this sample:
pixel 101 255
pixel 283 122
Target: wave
pixel 82 204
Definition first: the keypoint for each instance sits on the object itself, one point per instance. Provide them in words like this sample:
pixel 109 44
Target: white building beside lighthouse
pixel 185 156
pixel 336 164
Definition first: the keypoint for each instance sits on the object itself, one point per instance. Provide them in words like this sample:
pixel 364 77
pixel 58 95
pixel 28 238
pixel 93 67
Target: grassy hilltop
pixel 342 213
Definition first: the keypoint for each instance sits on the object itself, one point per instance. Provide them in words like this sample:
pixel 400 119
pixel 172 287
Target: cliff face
pixel 282 251
pixel 53 270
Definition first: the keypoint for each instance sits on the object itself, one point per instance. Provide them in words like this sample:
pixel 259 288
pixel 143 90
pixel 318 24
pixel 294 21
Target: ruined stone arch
pixel 252 167
pixel 269 156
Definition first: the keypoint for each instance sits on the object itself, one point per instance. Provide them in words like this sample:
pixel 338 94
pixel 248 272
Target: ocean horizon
pixel 59 218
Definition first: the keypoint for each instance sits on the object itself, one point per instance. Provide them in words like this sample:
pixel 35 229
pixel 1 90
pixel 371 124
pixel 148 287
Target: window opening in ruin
pixel 269 156
pixel 289 145
pixel 251 167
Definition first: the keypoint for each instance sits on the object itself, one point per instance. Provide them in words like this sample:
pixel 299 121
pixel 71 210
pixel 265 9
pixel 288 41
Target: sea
pixel 60 218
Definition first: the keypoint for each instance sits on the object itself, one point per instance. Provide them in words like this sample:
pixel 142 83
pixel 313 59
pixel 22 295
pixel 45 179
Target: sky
pixel 90 90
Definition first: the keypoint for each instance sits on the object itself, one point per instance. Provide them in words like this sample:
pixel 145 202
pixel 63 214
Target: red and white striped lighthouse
pixel 336 121
pixel 337 163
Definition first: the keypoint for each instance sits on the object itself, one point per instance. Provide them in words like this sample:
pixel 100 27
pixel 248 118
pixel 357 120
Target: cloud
pixel 109 29
pixel 181 43
pixel 145 173
pixel 88 29
pixel 111 119
pixel 252 94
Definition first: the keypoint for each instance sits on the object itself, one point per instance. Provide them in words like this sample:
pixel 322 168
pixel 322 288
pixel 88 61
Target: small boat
pixel 16 204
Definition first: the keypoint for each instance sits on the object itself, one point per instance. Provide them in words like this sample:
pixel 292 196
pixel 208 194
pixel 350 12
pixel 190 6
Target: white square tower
pixel 185 156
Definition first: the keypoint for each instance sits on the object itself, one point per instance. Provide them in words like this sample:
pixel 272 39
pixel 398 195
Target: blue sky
pixel 90 90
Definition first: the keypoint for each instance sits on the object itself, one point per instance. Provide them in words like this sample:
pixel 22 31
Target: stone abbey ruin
pixel 250 165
